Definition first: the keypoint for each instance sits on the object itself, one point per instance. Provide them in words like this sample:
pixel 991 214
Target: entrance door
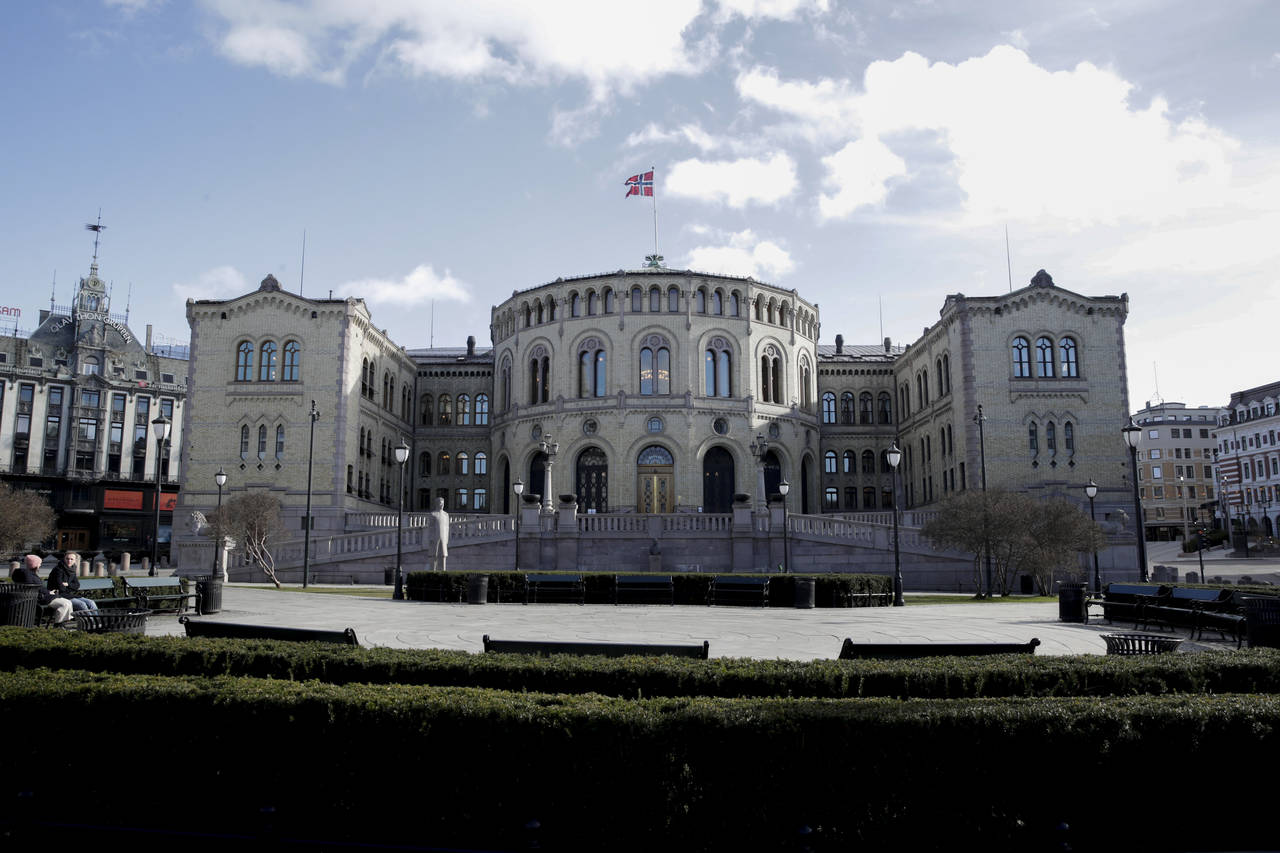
pixel 717 481
pixel 593 480
pixel 655 480
pixel 72 540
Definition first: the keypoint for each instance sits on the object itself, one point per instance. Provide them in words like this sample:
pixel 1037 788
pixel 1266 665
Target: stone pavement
pixel 732 631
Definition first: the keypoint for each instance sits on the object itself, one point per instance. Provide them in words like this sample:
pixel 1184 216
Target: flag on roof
pixel 641 184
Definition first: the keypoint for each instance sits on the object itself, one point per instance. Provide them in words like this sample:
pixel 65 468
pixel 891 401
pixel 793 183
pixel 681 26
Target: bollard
pixel 124 562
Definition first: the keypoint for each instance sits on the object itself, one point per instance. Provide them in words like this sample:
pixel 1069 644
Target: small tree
pixel 1057 532
pixel 253 520
pixel 26 519
pixel 976 521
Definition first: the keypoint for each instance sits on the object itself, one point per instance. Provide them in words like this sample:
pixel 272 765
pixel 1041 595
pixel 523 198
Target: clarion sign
pixel 6 311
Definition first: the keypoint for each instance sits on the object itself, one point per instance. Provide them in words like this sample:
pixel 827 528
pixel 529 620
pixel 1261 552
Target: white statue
pixel 440 532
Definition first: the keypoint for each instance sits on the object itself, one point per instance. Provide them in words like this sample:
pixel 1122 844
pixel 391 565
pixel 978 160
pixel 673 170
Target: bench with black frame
pixel 562 588
pixel 738 589
pixel 107 593
pixel 1197 609
pixel 1127 601
pixel 643 589
pixel 244 631
pixel 856 651
pixel 613 650
pixel 870 599
pixel 160 593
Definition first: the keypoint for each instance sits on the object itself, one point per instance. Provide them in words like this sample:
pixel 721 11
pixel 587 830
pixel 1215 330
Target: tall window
pixel 1070 365
pixel 482 410
pixel 428 407
pixel 1044 358
pixel 850 463
pixel 637 300
pixel 847 414
pixel 591 304
pixel 717 303
pixel 771 376
pixel 593 364
pixel 446 410
pixel 575 305
pixel 464 410
pixel 1033 439
pixel 504 387
pixel 481 464
pixel 806 385
pixel 280 442
pixel 655 370
pixel 673 299
pixel 868 462
pixel 1021 351
pixel 886 408
pixel 1051 437
pixel 267 365
pixel 866 410
pixel 464 463
pixel 655 299
pixel 700 300
pixel 1068 437
pixel 262 442
pixel 292 361
pixel 443 463
pixel 539 377
pixel 244 442
pixel 830 499
pixel 717 367
pixel 608 300
pixel 244 362
pixel 828 407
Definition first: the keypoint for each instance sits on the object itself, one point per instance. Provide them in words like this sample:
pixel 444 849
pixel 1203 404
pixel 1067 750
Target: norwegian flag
pixel 641 184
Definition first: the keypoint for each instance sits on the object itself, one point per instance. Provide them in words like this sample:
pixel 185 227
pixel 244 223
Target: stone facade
pixel 1175 467
pixel 1248 458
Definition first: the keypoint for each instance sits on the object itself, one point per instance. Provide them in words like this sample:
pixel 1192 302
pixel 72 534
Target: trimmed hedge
pixel 831 590
pixel 450 766
pixel 1246 671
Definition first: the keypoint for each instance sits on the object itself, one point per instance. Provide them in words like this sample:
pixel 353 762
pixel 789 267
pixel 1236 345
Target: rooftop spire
pixel 97 229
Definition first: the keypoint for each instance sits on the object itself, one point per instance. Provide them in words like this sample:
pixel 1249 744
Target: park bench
pixel 643 589
pixel 736 589
pixel 1127 601
pixel 107 593
pixel 243 631
pixel 1140 644
pixel 613 650
pixel 160 593
pixel 869 599
pixel 552 588
pixel 856 651
pixel 1196 610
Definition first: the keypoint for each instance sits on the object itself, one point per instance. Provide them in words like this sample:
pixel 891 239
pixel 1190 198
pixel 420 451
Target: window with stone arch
pixel 446 410
pixel 771 375
pixel 830 499
pixel 481 464
pixel 592 300
pixel 1044 358
pixel 482 410
pixel 280 442
pixel 1069 437
pixel 1051 437
pixel 427 410
pixel 718 368
pixel 673 300
pixel 850 462
pixel 1033 438
pixel 700 300
pixel 442 463
pixel 244 362
pixel 464 463
pixel 244 443
pixel 637 300
pixel 868 462
pixel 655 299
pixel 575 305
pixel 806 384
pixel 886 407
pixel 504 385
pixel 593 364
pixel 1020 351
pixel 424 464
pixel 464 410
pixel 539 375
pixel 262 442
pixel 735 304
pixel 848 414
pixel 655 366
pixel 267 363
pixel 828 407
pixel 1067 352
pixel 608 301
pixel 717 302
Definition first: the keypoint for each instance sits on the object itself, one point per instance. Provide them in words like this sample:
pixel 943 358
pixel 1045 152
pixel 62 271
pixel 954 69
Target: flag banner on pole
pixel 641 184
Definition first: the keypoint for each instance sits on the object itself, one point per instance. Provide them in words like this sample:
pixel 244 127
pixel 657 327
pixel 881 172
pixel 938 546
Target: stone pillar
pixel 777 551
pixel 125 559
pixel 566 534
pixel 655 557
pixel 530 537
pixel 99 565
pixel 743 534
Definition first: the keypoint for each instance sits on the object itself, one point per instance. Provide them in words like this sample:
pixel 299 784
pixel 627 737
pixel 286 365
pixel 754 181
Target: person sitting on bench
pixel 29 572
pixel 65 583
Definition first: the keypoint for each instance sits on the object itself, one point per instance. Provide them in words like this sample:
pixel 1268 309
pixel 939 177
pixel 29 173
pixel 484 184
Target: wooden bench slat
pixel 244 631
pixel 854 651
pixel 554 647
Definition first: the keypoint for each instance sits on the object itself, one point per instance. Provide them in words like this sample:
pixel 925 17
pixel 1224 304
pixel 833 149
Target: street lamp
pixel 1091 489
pixel 893 455
pixel 1182 494
pixel 221 479
pixel 402 455
pixel 1132 435
pixel 759 447
pixel 550 449
pixel 783 488
pixel 314 414
pixel 160 429
pixel 981 419
pixel 518 488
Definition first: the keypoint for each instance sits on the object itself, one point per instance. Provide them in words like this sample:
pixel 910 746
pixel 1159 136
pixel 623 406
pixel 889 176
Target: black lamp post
pixel 1091 489
pixel 1132 435
pixel 221 479
pixel 894 456
pixel 981 419
pixel 783 488
pixel 160 429
pixel 518 488
pixel 402 455
pixel 314 414
pixel 759 447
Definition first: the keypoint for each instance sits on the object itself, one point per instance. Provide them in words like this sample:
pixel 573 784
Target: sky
pixel 871 155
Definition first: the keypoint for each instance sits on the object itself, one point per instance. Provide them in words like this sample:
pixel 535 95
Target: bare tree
pixel 26 519
pixel 253 520
pixel 1058 531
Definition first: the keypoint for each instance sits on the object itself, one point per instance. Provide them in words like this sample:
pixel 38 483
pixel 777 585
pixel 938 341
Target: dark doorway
pixel 717 480
pixel 804 484
pixel 593 480
pixel 537 479
pixel 772 474
pixel 506 487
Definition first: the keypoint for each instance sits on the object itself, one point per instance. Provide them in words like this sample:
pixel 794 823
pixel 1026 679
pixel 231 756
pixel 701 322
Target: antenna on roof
pixel 881 298
pixel 302 272
pixel 53 291
pixel 97 230
pixel 1008 260
pixel 1156 374
pixel 433 325
pixel 128 300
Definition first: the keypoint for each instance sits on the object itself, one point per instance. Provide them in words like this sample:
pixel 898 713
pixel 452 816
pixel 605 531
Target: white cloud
pixel 744 255
pixel 692 134
pixel 1026 143
pixel 419 287
pixel 130 7
pixel 223 282
pixel 736 182
pixel 860 173
pixel 783 10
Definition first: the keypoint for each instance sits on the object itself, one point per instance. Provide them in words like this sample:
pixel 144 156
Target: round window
pixel 774 432
pixel 721 426
pixel 654 425
pixel 589 426
pixel 536 432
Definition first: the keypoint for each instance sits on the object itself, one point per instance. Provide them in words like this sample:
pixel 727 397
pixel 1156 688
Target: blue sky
pixel 863 153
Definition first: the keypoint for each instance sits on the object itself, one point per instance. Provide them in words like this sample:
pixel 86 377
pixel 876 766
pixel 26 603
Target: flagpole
pixel 654 169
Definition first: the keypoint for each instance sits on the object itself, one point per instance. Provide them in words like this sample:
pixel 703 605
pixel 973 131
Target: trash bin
pixel 1262 621
pixel 18 604
pixel 208 595
pixel 805 592
pixel 478 589
pixel 1027 585
pixel 1071 606
pixel 389 576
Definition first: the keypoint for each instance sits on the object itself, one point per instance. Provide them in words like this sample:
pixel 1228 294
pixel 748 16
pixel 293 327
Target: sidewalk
pixel 766 633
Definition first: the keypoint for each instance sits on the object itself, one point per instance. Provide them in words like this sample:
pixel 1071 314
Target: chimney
pixel 839 344
pixel 887 346
pixel 148 337
pixel 471 346
pixel 44 315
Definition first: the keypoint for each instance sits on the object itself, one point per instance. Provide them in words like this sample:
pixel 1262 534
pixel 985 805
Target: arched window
pixel 575 305
pixel 655 299
pixel 482 410
pixel 464 410
pixel 505 387
pixel 442 466
pixel 850 462
pixel 655 371
pixel 1051 437
pixel 608 300
pixel 1069 437
pixel 424 464
pixel 637 300
pixel 528 316
pixel 551 309
pixel 592 372
pixel 717 302
pixel 848 414
pixel 481 497
pixel 771 375
pixel 592 308
pixel 1033 439
pixel 244 362
pixel 806 385
pixel 244 443
pixel 866 408
pixel 828 407
pixel 292 361
pixel 946 372
pixel 280 442
pixel 869 497
pixel 1044 358
pixel 262 442
pixel 446 410
pixel 482 464
pixel 1070 365
pixel 267 365
pixel 427 410
pixel 770 310
pixel 673 299
pixel 1021 351
pixel 539 377
pixel 759 308
pixel 700 301
pixel 464 463
pixel 868 462
pixel 734 304
pixel 830 499
pixel 886 408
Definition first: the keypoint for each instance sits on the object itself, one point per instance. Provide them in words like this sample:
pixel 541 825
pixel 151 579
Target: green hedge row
pixel 831 590
pixel 465 767
pixel 1246 671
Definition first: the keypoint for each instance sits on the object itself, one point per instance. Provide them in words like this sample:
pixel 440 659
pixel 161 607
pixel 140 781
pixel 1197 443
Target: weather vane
pixel 97 229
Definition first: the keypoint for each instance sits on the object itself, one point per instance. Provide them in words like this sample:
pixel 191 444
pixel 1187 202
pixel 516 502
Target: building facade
pixel 77 398
pixel 1249 460
pixel 1176 468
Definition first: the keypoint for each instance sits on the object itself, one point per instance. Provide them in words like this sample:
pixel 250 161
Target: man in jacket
pixel 29 572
